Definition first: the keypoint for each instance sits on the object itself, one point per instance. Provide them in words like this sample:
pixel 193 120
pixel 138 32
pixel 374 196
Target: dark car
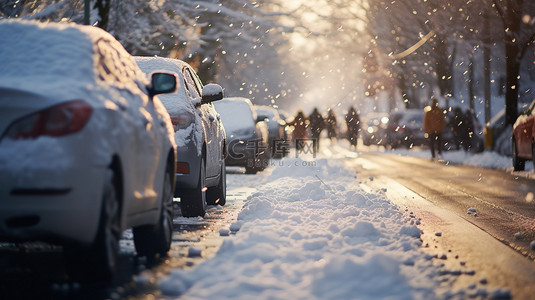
pixel 247 138
pixel 277 136
pixel 523 138
pixel 406 129
pixel 374 129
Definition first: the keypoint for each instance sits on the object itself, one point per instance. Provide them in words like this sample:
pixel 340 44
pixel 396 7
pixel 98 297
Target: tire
pixel 518 163
pixel 193 201
pixel 218 194
pixel 153 240
pixel 99 261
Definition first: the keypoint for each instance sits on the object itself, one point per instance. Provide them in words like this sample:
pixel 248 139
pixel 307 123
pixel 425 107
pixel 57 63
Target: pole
pixel 87 5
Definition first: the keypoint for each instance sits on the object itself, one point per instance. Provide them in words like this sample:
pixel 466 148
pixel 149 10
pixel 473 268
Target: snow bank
pixel 312 232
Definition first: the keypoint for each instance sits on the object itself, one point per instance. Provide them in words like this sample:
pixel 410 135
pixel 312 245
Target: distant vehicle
pixel 374 129
pixel 86 150
pixel 277 136
pixel 247 138
pixel 500 132
pixel 199 135
pixel 406 129
pixel 523 138
pixel 472 127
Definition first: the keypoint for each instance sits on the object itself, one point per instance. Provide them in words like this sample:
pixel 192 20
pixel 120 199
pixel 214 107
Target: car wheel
pixel 99 261
pixel 518 163
pixel 152 240
pixel 218 194
pixel 193 201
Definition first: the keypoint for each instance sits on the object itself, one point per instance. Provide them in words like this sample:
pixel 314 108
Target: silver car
pixel 247 136
pixel 86 150
pixel 199 135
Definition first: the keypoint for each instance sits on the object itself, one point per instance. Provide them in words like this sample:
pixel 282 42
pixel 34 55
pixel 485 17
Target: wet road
pixel 37 271
pixel 477 218
pixel 503 202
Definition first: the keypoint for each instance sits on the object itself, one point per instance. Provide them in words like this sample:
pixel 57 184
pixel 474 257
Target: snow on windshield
pixel 236 114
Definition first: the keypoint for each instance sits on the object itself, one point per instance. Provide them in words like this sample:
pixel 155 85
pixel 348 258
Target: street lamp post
pixel 87 4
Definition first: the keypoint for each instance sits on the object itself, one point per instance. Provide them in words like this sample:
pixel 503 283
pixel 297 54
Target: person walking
pixel 353 126
pixel 332 129
pixel 300 125
pixel 317 124
pixel 434 123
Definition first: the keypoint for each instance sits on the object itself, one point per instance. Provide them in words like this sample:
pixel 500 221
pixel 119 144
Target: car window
pixel 190 84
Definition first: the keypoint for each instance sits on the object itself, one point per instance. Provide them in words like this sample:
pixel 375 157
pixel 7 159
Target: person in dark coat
pixel 353 126
pixel 332 129
pixel 317 124
pixel 434 123
pixel 300 125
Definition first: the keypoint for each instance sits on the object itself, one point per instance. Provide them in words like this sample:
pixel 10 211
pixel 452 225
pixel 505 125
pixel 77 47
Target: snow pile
pixel 312 232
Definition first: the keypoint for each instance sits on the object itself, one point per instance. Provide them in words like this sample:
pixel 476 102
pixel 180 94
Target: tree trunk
pixel 442 67
pixel 511 88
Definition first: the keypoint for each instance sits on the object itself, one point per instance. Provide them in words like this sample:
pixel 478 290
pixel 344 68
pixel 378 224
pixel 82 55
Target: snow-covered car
pixel 523 138
pixel 86 150
pixel 199 135
pixel 247 138
pixel 374 129
pixel 277 138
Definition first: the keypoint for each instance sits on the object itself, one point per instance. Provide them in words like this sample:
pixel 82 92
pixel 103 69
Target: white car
pixel 86 150
pixel 199 134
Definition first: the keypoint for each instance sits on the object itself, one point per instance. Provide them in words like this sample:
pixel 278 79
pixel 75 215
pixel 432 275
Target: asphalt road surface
pixel 480 217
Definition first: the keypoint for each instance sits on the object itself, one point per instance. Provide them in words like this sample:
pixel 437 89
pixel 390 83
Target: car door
pixel 141 146
pixel 210 122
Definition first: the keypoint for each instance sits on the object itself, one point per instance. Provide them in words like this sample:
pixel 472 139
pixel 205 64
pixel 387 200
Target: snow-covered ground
pixel 313 230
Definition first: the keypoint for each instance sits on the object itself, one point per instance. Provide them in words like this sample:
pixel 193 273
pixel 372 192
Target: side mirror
pixel 211 92
pixel 162 83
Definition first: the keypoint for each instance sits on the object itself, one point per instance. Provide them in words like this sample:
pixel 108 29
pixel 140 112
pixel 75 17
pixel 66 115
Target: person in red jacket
pixel 434 123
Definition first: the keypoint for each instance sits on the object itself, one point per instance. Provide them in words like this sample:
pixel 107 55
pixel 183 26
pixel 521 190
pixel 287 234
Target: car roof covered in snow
pixel 69 57
pixel 177 102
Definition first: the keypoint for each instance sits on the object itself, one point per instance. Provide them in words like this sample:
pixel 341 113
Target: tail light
pixel 182 168
pixel 182 121
pixel 58 120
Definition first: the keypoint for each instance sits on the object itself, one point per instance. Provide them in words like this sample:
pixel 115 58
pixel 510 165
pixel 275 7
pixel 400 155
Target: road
pixel 494 239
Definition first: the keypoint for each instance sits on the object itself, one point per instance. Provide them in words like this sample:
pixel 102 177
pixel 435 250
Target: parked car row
pixel 94 141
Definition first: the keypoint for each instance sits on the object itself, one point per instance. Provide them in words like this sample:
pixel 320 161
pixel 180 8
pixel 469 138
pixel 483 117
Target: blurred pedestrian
pixel 300 125
pixel 332 129
pixel 434 123
pixel 317 124
pixel 353 126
